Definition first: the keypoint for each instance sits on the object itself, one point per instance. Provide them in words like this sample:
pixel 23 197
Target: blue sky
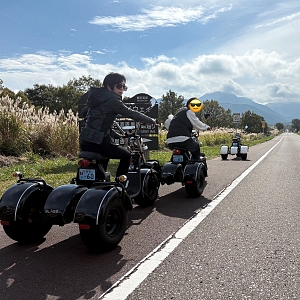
pixel 250 48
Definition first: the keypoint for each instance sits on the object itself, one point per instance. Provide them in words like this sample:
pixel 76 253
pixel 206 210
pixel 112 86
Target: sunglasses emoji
pixel 195 105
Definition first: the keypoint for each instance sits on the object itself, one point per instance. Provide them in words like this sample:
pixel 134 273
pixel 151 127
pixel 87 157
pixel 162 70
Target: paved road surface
pixel 240 244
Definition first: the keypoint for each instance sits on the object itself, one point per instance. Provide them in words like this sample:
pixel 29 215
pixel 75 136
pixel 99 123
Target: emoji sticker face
pixel 195 105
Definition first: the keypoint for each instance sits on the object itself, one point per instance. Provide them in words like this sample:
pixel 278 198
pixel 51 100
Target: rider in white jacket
pixel 181 125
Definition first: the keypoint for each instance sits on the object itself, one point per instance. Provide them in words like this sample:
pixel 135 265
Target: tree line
pixel 58 98
pixel 219 117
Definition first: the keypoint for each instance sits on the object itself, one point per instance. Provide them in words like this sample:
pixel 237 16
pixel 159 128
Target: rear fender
pixel 23 195
pixel 224 150
pixel 244 149
pixel 91 206
pixel 168 172
pixel 61 203
pixel 191 171
pixel 234 150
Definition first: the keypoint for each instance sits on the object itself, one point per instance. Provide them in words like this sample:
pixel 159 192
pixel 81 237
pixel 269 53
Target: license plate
pixel 87 174
pixel 177 158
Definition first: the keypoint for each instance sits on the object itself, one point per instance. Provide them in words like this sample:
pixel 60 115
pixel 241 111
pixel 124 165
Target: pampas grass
pixel 25 128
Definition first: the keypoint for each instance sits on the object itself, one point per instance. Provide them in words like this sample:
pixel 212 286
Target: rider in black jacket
pixel 104 104
pixel 181 125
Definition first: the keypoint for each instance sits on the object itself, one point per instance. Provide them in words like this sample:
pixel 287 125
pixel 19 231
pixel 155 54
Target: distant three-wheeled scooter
pixel 236 148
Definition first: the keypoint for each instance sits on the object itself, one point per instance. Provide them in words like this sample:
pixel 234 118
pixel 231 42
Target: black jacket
pixel 103 108
pixel 180 125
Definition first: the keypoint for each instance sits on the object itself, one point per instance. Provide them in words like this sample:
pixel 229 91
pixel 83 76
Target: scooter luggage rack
pixel 40 181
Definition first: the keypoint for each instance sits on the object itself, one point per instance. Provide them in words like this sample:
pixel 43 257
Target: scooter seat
pixel 91 155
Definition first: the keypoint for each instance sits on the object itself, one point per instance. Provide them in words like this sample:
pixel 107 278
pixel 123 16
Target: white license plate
pixel 87 174
pixel 177 158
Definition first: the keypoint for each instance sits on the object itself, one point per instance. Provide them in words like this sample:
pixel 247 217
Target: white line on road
pixel 131 280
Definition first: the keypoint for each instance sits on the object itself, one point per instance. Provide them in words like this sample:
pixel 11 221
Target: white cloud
pixel 158 16
pixel 280 20
pixel 261 76
pixel 161 58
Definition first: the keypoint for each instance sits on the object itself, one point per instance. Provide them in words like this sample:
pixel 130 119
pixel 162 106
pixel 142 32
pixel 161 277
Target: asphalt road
pixel 239 240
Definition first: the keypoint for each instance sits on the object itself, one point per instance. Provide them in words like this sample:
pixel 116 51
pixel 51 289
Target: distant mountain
pixel 290 110
pixel 242 104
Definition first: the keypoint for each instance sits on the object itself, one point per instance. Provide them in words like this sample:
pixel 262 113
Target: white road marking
pixel 134 277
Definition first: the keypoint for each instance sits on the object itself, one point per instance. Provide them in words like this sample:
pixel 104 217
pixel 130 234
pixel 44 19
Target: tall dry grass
pixel 215 137
pixel 25 128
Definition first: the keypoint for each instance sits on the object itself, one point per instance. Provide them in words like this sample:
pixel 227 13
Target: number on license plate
pixel 87 174
pixel 177 158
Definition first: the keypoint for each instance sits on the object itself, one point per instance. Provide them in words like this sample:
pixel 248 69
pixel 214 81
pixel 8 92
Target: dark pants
pixel 190 145
pixel 111 151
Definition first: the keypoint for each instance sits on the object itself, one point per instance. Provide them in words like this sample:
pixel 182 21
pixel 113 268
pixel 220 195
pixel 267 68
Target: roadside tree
pixel 219 117
pixel 295 125
pixel 62 97
pixel 254 122
pixel 279 126
pixel 169 105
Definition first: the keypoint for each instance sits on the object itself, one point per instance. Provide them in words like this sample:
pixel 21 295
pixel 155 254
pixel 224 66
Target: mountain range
pixel 272 112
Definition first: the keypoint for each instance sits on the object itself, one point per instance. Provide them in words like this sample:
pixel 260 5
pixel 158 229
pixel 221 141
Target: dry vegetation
pixel 26 130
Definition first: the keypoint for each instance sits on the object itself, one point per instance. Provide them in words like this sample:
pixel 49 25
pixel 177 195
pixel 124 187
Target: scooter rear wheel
pixel 224 156
pixel 26 232
pixel 244 156
pixel 195 189
pixel 107 235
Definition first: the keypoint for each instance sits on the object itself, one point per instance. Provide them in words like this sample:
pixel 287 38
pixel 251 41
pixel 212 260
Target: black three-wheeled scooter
pixel 29 208
pixel 182 168
pixel 100 206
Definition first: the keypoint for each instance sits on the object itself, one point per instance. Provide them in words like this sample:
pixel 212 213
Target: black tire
pixel 196 188
pixel 26 232
pixel 149 192
pixel 224 156
pixel 108 234
pixel 244 156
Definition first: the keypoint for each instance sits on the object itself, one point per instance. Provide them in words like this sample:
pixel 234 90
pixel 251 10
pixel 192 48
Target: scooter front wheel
pixel 109 232
pixel 149 192
pixel 26 232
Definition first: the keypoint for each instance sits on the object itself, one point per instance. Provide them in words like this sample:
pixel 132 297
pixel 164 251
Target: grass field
pixel 60 171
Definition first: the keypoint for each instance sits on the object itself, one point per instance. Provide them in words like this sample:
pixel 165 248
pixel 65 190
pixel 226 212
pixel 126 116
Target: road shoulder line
pixel 134 277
